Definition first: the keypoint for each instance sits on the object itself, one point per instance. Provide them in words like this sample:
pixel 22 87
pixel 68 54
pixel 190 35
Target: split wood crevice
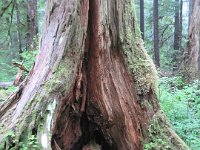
pixel 102 106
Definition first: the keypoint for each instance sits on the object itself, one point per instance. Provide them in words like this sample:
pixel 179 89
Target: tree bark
pixel 93 85
pixel 191 65
pixel 32 21
pixel 181 24
pixel 18 29
pixel 178 51
pixel 142 18
pixel 177 26
pixel 156 34
pixel 191 6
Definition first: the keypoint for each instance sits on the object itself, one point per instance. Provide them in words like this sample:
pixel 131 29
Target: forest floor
pixel 179 101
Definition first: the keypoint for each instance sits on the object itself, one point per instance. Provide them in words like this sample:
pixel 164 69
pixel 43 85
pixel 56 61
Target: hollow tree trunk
pixel 191 67
pixel 93 84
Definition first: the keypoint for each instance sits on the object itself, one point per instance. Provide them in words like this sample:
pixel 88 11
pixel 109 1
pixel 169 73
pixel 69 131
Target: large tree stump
pixel 93 85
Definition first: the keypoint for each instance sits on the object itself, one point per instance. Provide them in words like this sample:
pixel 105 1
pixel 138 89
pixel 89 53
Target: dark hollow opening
pixel 90 133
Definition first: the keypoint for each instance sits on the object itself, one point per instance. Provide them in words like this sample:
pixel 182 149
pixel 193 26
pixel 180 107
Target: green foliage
pixel 9 42
pixel 181 103
pixel 8 71
pixel 29 58
pixel 156 137
pixel 166 29
pixel 156 144
pixel 10 142
pixel 41 4
pixel 4 93
pixel 32 144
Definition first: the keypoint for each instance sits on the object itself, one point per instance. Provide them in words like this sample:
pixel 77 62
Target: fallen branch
pixel 20 66
pixel 5 84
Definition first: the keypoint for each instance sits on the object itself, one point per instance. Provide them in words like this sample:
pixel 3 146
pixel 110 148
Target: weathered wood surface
pixel 92 80
pixel 5 84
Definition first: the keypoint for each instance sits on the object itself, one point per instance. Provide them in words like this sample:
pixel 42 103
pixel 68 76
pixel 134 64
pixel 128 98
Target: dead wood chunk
pixel 5 84
pixel 19 78
pixel 20 66
pixel 92 146
pixel 86 147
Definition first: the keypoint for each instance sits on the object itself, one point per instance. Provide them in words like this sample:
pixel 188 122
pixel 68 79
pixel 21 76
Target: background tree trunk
pixel 142 18
pixel 32 21
pixel 181 24
pixel 18 29
pixel 178 35
pixel 92 84
pixel 191 65
pixel 191 6
pixel 156 34
pixel 177 26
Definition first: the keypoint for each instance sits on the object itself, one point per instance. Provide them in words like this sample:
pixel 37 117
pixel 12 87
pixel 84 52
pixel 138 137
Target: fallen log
pixel 5 84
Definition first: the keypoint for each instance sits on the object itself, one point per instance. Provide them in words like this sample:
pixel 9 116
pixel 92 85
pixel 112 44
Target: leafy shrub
pixel 29 58
pixel 4 93
pixel 181 103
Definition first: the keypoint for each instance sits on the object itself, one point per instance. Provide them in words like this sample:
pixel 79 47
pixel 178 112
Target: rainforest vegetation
pixel 92 74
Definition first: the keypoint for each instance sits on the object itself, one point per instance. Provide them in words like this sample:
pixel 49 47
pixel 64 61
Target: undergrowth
pixel 9 72
pixel 4 93
pixel 181 103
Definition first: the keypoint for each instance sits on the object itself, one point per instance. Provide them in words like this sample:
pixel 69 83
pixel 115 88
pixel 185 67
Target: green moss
pixel 11 142
pixel 35 112
pixel 158 135
pixel 62 77
pixel 137 59
pixel 8 140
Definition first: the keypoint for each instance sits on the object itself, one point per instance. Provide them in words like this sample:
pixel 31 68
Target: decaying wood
pixel 20 75
pixel 19 78
pixel 56 146
pixel 20 66
pixel 92 82
pixel 12 100
pixel 84 91
pixel 5 84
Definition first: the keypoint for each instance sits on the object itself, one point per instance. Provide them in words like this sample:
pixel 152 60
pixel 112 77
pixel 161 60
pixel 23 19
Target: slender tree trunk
pixel 18 29
pixel 176 35
pixel 156 34
pixel 32 21
pixel 142 18
pixel 191 67
pixel 93 85
pixel 191 6
pixel 181 24
pixel 177 27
